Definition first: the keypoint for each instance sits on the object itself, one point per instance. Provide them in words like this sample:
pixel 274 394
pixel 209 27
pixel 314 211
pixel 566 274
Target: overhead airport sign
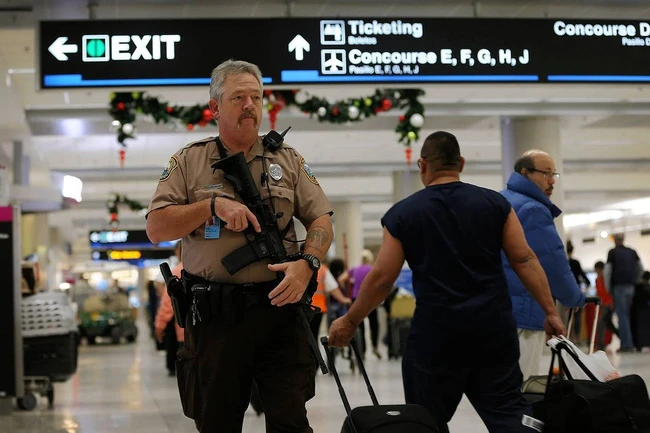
pixel 130 255
pixel 344 51
pixel 123 239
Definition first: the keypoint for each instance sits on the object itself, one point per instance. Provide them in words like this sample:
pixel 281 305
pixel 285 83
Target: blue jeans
pixel 623 294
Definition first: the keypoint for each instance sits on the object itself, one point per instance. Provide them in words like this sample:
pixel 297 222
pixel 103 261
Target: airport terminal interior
pixel 96 96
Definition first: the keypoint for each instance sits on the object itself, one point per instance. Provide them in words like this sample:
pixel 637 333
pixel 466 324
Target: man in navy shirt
pixel 463 337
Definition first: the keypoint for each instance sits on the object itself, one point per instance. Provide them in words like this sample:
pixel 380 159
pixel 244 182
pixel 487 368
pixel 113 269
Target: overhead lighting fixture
pixel 583 219
pixel 604 234
pixel 72 187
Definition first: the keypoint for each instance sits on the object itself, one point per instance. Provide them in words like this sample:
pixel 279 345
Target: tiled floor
pixel 126 389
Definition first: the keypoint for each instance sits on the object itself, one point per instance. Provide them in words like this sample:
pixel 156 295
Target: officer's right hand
pixel 554 326
pixel 235 215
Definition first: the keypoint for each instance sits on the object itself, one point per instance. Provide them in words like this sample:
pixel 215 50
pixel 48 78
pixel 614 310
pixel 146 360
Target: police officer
pixel 266 342
pixel 463 337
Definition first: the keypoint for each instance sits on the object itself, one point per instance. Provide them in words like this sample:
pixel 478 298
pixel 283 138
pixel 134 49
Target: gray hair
pixel 231 67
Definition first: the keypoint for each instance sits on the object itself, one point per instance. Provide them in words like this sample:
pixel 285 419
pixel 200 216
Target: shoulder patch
pixel 307 171
pixel 203 141
pixel 169 168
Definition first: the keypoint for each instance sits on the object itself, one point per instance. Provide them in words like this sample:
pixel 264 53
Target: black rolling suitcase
pixel 398 418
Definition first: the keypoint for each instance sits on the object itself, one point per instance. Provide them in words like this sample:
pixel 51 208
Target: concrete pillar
pixel 21 164
pixel 347 222
pixel 405 183
pixel 520 134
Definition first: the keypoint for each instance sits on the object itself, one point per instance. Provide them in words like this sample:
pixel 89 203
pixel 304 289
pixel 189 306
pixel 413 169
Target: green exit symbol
pixel 95 48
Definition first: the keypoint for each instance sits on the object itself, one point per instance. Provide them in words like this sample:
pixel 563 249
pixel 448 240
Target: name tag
pixel 212 228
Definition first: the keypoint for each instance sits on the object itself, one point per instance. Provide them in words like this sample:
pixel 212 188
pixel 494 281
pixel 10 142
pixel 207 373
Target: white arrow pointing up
pixel 59 49
pixel 299 44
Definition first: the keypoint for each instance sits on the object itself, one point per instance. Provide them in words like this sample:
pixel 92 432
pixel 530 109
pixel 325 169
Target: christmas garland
pixel 126 106
pixel 113 206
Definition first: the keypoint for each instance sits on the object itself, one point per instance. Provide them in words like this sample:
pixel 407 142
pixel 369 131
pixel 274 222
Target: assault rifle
pixel 267 243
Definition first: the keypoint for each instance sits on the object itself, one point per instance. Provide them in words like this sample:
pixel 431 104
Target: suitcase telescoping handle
pixel 355 349
pixel 592 340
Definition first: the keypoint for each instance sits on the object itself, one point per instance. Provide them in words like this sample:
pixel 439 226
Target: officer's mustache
pixel 248 114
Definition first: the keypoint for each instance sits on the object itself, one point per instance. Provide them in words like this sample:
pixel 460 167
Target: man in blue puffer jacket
pixel 529 190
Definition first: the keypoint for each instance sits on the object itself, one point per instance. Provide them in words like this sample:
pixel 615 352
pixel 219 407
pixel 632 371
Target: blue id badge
pixel 213 228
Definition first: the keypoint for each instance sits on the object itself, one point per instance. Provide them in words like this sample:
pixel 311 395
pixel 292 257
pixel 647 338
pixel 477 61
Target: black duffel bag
pixel 590 406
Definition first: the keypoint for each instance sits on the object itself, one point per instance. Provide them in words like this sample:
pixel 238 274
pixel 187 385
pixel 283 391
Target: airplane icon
pixel 333 61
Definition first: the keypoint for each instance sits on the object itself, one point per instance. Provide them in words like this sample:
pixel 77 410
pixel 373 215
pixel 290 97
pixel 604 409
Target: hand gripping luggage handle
pixel 371 391
pixel 334 371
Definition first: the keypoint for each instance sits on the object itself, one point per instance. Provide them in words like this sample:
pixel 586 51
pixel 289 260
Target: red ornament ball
pixel 190 126
pixel 121 106
pixel 335 111
pixel 202 122
pixel 169 109
pixel 386 104
pixel 113 216
pixel 207 114
pixel 402 118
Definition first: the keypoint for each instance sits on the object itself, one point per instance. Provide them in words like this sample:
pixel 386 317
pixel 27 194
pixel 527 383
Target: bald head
pixel 528 159
pixel 441 151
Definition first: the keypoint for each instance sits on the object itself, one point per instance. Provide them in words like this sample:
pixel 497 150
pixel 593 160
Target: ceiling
pixel 605 129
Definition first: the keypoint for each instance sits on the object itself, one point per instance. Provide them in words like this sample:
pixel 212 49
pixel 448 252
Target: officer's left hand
pixel 296 278
pixel 341 332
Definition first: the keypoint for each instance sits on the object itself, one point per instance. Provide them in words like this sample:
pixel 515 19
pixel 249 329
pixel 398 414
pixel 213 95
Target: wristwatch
pixel 313 261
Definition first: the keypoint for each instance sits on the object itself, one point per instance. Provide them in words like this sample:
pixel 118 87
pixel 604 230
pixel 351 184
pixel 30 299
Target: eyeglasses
pixel 547 174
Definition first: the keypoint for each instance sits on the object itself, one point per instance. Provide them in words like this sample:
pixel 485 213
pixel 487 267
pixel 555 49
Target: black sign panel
pixel 344 50
pixel 7 302
pixel 125 239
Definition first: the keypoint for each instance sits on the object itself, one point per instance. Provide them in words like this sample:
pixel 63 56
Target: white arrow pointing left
pixel 59 49
pixel 299 44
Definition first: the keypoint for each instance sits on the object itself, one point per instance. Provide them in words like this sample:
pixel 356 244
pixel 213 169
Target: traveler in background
pixel 327 286
pixel 529 191
pixel 581 279
pixel 622 271
pixel 606 308
pixel 167 331
pixel 356 276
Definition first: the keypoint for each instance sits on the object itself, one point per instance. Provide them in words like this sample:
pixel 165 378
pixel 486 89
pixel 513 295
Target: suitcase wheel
pixel 28 402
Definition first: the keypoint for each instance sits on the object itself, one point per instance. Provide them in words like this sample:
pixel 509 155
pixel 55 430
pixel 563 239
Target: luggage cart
pixel 50 345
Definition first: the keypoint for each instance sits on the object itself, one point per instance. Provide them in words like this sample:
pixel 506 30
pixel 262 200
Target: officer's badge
pixel 275 171
pixel 308 172
pixel 171 166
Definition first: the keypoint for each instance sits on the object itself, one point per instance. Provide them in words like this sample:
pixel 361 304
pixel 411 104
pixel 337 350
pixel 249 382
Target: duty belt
pixel 225 300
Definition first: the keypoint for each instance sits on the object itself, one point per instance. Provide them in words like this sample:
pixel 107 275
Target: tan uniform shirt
pixel 188 178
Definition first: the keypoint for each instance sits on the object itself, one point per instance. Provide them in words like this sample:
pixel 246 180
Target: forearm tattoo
pixel 318 238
